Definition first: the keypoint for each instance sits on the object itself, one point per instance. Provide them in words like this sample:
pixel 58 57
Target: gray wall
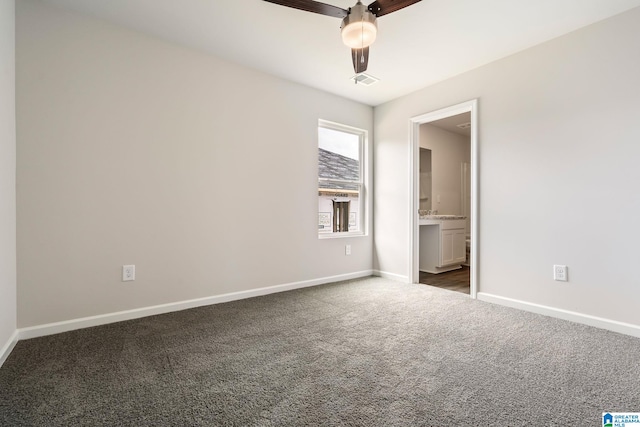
pixel 7 174
pixel 135 151
pixel 558 169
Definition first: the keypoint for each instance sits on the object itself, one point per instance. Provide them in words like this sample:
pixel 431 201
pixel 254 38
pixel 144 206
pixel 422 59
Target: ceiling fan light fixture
pixel 359 27
pixel 359 34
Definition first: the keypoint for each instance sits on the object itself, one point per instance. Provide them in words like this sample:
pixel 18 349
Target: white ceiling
pixel 450 124
pixel 417 46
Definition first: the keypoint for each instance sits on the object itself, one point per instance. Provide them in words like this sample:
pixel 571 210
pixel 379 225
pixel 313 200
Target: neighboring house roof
pixel 335 166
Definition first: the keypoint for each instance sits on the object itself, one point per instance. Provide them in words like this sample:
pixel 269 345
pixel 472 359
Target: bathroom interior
pixel 445 203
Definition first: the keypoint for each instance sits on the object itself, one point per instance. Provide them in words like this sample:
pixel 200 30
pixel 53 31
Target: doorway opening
pixel 447 200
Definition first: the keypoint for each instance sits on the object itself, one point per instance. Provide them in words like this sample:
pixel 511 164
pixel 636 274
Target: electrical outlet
pixel 560 273
pixel 128 273
pixel 347 249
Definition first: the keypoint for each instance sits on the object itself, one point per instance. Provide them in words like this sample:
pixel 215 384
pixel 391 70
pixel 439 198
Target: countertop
pixel 442 217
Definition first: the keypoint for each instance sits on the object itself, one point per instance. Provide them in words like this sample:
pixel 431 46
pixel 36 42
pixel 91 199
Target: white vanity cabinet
pixel 442 244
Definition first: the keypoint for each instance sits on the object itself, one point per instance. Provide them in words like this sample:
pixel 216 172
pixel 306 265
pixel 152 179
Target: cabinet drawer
pixel 452 224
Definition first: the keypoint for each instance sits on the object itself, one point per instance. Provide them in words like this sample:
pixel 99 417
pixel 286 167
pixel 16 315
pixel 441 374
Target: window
pixel 340 179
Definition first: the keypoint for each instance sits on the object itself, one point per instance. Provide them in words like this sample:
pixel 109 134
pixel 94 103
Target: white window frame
pixel 363 171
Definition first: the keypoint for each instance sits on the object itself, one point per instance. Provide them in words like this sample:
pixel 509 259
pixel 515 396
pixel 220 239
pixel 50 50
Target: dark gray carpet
pixel 369 352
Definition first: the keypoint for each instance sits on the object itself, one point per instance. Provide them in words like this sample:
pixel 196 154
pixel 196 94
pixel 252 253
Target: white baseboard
pixel 585 319
pixel 6 349
pixel 103 319
pixel 391 276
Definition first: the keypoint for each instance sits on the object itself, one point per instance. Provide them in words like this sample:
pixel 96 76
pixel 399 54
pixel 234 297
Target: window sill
pixel 342 235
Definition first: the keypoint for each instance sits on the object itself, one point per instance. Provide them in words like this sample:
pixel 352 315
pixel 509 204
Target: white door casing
pixel 414 187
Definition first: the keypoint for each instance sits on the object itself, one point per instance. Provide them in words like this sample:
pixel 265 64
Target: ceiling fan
pixel 358 26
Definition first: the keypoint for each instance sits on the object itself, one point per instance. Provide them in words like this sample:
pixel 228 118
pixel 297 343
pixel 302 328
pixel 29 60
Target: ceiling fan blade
pixel 313 6
pixel 383 7
pixel 360 59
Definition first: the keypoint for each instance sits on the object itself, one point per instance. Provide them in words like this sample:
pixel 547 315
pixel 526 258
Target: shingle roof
pixel 335 166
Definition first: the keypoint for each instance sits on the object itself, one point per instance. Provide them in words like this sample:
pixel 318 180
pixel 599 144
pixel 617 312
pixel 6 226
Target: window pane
pixel 340 185
pixel 338 155
pixel 330 208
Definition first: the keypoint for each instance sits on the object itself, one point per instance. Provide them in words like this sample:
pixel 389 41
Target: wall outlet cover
pixel 560 273
pixel 128 273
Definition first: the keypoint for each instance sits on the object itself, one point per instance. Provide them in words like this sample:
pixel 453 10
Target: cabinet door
pixel 453 249
pixel 459 246
pixel 446 250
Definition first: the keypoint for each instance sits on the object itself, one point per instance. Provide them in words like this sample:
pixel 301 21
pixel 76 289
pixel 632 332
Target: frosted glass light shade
pixel 359 34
